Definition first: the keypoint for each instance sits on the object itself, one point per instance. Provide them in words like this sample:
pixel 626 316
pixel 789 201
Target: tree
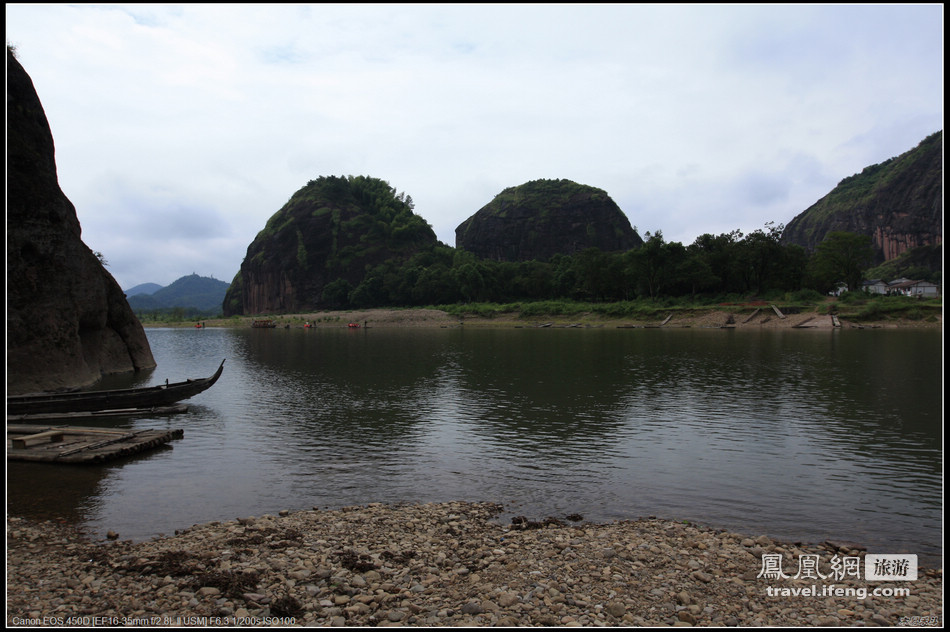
pixel 721 254
pixel 335 293
pixel 696 272
pixel 843 256
pixel 651 264
pixel 469 281
pixel 761 257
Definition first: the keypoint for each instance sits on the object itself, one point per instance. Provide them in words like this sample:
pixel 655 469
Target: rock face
pixel 898 203
pixel 542 218
pixel 320 244
pixel 68 322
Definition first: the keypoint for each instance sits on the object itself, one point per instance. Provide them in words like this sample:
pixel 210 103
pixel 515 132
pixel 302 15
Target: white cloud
pixel 181 129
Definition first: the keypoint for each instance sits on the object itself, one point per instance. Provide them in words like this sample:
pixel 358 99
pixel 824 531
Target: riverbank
pixel 731 318
pixel 442 564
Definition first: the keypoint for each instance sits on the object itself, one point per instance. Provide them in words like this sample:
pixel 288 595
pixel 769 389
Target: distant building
pixel 907 287
pixel 875 286
pixel 840 288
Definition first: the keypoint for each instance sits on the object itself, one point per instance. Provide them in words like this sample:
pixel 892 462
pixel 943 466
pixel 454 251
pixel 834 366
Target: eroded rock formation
pixel 541 218
pixel 68 322
pixel 898 203
pixel 320 244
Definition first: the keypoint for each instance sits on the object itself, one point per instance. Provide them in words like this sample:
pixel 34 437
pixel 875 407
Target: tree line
pixel 713 265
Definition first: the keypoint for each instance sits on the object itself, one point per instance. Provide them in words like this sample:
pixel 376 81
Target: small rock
pixel 879 620
pixel 396 616
pixel 686 616
pixel 508 599
pixel 473 607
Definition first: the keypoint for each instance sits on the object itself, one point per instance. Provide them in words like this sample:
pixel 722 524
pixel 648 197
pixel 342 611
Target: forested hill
pixel 898 203
pixel 316 249
pixel 543 218
pixel 199 293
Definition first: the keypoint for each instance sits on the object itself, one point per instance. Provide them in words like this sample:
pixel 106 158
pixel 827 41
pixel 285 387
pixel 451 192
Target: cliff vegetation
pixel 316 249
pixel 898 203
pixel 543 218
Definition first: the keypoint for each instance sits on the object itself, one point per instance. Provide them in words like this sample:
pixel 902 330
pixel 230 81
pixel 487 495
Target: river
pixel 798 434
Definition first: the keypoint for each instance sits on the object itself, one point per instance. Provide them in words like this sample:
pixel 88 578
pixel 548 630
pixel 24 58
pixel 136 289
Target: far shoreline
pixel 710 318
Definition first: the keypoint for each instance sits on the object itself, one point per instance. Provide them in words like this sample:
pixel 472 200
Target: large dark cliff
pixel 68 322
pixel 326 236
pixel 898 203
pixel 541 218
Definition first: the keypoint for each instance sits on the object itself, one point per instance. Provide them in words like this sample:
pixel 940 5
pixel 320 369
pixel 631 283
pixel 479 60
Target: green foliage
pixel 843 256
pixel 724 268
pixel 301 250
pixel 922 263
pixel 883 186
pixel 383 255
pixel 336 293
pixel 805 296
pixel 176 314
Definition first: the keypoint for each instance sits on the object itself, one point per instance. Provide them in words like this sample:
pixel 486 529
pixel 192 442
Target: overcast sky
pixel 180 130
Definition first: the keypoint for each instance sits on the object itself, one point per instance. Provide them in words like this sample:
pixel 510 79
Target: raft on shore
pixel 75 444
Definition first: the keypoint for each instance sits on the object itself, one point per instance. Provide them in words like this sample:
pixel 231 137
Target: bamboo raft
pixel 74 444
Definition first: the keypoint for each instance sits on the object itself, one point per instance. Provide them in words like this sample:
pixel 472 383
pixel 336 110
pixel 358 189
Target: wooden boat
pixel 79 401
pixel 174 409
pixel 65 444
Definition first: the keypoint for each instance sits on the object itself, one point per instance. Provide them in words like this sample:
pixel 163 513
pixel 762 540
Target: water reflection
pixel 799 434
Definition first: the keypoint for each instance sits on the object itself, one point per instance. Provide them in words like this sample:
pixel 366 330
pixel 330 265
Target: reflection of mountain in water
pixel 801 435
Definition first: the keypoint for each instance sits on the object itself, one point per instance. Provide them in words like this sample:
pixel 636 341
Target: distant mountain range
pixel 192 292
pixel 143 288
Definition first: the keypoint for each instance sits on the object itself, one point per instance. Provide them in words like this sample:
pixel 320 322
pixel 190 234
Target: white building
pixel 875 286
pixel 908 287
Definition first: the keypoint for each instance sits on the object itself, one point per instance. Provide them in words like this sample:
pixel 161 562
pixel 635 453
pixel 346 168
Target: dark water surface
pixel 801 435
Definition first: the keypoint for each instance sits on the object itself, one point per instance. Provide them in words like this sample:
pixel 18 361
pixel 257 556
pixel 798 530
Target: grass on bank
pixel 854 306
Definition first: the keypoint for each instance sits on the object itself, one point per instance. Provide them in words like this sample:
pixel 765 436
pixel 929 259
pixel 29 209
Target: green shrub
pixel 805 296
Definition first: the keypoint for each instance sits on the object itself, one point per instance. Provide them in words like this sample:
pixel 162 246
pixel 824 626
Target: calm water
pixel 804 435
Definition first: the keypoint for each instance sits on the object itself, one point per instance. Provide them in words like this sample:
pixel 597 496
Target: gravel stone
pixel 437 564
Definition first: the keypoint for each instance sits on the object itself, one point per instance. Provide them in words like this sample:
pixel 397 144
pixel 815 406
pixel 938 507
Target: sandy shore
pixel 447 564
pixel 764 318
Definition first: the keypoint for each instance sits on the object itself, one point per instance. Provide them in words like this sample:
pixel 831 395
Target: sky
pixel 180 129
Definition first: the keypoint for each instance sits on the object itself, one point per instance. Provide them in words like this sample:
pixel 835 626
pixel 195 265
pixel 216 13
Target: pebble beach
pixel 445 564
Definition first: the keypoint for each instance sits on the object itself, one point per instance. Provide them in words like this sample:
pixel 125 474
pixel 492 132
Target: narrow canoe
pixel 80 401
